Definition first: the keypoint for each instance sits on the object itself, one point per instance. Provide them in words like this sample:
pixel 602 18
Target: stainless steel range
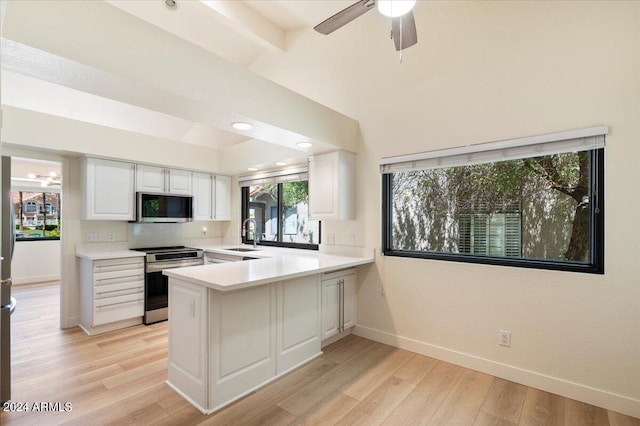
pixel 156 285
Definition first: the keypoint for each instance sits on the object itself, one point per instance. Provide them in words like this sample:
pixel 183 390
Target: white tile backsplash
pixel 155 234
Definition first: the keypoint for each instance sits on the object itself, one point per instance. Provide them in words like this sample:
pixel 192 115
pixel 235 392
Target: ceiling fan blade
pixel 408 36
pixel 344 16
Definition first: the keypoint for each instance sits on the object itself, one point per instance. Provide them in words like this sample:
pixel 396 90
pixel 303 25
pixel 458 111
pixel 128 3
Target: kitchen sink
pixel 240 249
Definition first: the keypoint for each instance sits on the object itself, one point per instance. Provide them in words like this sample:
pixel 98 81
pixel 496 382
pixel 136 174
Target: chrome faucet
pixel 255 229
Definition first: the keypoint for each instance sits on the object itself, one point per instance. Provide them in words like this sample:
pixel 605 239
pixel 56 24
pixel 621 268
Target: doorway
pixel 36 196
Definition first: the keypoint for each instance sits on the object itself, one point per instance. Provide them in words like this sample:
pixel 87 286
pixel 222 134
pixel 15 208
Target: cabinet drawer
pixel 114 265
pixel 338 274
pixel 118 287
pixel 109 278
pixel 118 308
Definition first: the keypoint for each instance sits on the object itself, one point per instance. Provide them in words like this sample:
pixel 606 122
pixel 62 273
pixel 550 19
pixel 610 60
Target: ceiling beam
pixel 248 22
pixel 118 56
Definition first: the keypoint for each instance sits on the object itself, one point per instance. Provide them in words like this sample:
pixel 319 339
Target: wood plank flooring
pixel 118 379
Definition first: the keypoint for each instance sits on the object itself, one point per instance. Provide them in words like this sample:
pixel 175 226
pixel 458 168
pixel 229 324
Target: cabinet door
pixel 323 189
pixel 349 301
pixel 202 193
pixel 188 349
pixel 223 198
pixel 330 308
pixel 242 340
pixel 109 190
pixel 150 178
pixel 179 182
pixel 299 337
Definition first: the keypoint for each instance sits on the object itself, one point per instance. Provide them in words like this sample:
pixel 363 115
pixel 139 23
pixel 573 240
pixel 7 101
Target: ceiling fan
pixel 403 26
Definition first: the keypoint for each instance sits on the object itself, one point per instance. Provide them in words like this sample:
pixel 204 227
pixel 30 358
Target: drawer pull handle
pixel 119 290
pixel 117 280
pixel 111 305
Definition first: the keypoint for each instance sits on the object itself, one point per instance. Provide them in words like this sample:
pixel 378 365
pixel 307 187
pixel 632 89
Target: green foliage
pixel 294 193
pixel 54 232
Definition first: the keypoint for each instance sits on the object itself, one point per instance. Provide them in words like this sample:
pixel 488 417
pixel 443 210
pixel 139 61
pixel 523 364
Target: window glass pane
pixel 535 208
pixel 285 224
pixel 263 199
pixel 37 214
pixel 295 214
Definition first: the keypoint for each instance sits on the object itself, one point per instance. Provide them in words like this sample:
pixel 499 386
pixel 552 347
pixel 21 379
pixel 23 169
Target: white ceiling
pixel 239 32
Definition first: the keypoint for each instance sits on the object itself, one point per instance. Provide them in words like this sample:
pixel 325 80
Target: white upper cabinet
pixel 222 198
pixel 211 197
pixel 162 180
pixel 332 186
pixel 179 181
pixel 109 190
pixel 202 196
pixel 150 178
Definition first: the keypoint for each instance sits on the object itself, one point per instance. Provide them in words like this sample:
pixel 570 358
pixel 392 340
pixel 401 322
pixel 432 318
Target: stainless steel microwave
pixel 164 208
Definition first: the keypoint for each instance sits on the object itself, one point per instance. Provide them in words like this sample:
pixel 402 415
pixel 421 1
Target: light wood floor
pixel 118 379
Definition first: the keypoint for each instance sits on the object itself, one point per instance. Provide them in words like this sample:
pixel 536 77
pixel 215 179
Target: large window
pixel 37 215
pixel 543 211
pixel 281 214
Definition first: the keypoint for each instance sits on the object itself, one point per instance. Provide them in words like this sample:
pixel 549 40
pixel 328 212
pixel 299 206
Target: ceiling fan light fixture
pixel 395 8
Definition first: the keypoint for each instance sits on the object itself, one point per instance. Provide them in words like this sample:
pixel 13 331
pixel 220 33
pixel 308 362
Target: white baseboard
pixel 577 391
pixel 35 279
pixel 71 322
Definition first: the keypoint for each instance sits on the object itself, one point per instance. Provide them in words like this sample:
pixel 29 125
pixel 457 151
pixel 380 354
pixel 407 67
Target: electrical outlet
pixel 111 236
pixel 93 236
pixel 504 338
pixel 331 239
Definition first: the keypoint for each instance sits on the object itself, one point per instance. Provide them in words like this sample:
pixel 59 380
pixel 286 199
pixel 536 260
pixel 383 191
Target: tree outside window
pixel 533 209
pixel 37 215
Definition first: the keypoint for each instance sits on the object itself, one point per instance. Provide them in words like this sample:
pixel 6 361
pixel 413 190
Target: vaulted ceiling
pixel 139 66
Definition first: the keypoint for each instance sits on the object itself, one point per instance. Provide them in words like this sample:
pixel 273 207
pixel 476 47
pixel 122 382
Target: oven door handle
pixel 158 267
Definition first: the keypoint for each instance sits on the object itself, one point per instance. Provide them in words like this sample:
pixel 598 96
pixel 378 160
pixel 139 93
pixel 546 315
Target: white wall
pixel 486 71
pixel 35 262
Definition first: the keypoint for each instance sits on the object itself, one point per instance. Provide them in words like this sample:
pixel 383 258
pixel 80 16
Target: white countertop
pixel 108 254
pixel 274 264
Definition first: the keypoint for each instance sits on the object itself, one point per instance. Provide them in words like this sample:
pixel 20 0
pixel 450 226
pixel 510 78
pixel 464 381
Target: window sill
pixel 501 261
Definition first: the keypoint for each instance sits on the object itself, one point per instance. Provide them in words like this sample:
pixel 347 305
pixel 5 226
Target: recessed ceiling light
pixel 170 3
pixel 281 163
pixel 241 125
pixel 304 144
pixel 252 169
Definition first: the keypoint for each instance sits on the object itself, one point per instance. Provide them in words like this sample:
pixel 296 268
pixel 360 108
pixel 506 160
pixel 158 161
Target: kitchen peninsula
pixel 236 326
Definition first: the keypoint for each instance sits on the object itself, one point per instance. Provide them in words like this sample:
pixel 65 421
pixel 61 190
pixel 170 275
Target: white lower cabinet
pixel 111 293
pixel 298 322
pixel 338 302
pixel 188 349
pixel 242 341
pixel 223 345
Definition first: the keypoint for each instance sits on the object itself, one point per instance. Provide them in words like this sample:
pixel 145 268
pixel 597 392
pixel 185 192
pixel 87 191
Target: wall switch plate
pixel 93 236
pixel 504 338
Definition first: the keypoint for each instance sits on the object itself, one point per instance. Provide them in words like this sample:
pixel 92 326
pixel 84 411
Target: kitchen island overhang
pixel 235 327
